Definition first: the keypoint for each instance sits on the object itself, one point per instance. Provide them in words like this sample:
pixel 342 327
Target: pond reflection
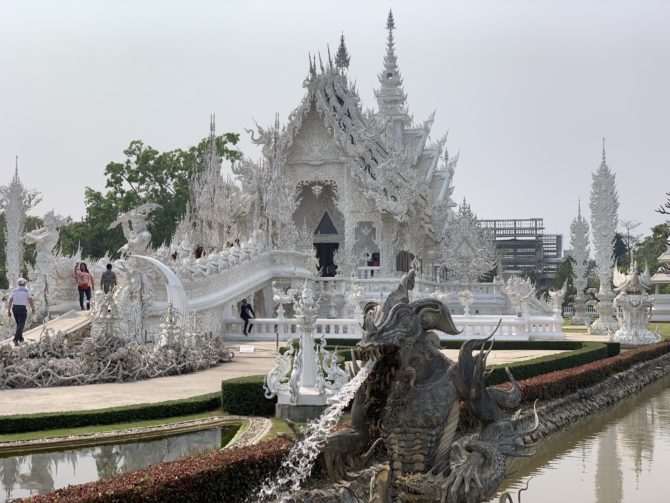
pixel 617 456
pixel 22 476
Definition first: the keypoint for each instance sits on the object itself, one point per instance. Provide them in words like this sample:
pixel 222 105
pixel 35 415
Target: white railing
pixel 590 311
pixel 473 327
pixel 368 271
pixel 286 328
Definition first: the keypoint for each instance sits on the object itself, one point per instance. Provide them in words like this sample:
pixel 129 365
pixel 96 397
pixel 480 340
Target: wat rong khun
pixel 399 358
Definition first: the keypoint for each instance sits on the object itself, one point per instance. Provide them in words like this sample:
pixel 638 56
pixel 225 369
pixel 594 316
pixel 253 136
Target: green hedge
pixel 579 354
pixel 75 419
pixel 613 348
pixel 245 396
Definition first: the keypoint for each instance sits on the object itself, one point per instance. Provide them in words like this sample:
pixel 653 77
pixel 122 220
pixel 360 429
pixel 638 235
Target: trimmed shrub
pixel 579 353
pixel 245 396
pixel 588 352
pixel 142 412
pixel 562 382
pixel 229 475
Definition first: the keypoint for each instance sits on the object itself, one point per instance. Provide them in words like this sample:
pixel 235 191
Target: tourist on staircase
pixel 18 301
pixel 84 284
pixel 108 279
pixel 247 313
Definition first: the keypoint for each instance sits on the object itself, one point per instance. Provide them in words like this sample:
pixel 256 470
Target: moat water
pixel 22 476
pixel 621 455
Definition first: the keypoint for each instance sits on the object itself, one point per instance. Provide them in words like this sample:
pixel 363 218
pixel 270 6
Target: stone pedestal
pixel 605 323
pixel 580 317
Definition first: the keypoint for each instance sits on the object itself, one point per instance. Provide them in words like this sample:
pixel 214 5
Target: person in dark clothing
pixel 108 279
pixel 18 301
pixel 247 313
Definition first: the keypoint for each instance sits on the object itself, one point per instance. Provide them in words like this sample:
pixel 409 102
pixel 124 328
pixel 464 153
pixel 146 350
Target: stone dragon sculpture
pixel 411 402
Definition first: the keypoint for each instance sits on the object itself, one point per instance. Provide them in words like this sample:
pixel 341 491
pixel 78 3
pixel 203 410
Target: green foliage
pixel 564 273
pixel 245 396
pixel 54 420
pixel 146 176
pixel 653 246
pixel 619 250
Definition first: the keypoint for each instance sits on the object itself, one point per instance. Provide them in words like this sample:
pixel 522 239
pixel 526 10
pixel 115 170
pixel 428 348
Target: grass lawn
pixel 87 430
pixel 663 328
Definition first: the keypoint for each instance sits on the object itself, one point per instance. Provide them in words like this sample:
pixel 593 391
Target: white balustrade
pixel 473 327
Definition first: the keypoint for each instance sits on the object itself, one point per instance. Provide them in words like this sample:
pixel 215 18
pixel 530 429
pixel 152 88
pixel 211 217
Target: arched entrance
pixel 318 212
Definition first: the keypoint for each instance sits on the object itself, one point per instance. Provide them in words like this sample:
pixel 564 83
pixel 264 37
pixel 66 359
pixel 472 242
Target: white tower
pixel 579 241
pixel 604 220
pixel 15 217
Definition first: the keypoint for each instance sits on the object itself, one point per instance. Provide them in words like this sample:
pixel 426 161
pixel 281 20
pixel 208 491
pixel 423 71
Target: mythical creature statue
pixel 45 240
pixel 411 403
pixel 134 225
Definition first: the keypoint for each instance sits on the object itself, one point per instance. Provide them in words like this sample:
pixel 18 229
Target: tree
pixel 620 252
pixel 564 272
pixel 664 209
pixel 652 247
pixel 146 176
pixel 631 239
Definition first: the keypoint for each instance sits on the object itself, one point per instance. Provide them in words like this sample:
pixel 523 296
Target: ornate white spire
pixel 342 57
pixel 15 217
pixel 579 240
pixel 212 159
pixel 390 96
pixel 604 221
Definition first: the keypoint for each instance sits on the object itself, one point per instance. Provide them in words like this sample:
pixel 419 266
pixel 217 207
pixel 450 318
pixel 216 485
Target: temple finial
pixel 342 57
pixel 390 23
pixel 604 154
pixel 579 207
pixel 391 97
pixel 212 123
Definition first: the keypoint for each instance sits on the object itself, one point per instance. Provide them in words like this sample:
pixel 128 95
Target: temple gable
pixel 313 143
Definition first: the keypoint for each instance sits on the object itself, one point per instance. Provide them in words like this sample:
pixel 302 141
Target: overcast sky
pixel 527 89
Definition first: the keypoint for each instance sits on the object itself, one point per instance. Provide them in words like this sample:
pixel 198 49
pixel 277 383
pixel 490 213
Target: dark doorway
pixel 326 226
pixel 324 252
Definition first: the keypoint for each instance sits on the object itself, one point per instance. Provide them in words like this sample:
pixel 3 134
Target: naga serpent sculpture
pixel 411 403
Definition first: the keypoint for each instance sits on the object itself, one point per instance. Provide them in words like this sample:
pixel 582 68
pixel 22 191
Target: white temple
pixel 368 193
pixel 371 185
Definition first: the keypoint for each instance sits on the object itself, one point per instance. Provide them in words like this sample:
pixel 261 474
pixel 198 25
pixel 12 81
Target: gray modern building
pixel 523 246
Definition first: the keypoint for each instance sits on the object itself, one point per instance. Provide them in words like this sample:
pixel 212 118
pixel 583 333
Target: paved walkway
pixel 98 396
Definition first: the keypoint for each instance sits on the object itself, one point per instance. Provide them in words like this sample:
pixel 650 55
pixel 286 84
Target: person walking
pixel 247 313
pixel 108 279
pixel 84 284
pixel 18 301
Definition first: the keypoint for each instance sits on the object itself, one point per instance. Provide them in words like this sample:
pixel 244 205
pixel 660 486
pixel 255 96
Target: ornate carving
pixel 604 206
pixel 633 306
pixel 411 401
pixel 469 251
pixel 134 224
pixel 579 240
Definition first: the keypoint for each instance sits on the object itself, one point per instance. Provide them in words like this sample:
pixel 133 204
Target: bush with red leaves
pixel 563 382
pixel 228 475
